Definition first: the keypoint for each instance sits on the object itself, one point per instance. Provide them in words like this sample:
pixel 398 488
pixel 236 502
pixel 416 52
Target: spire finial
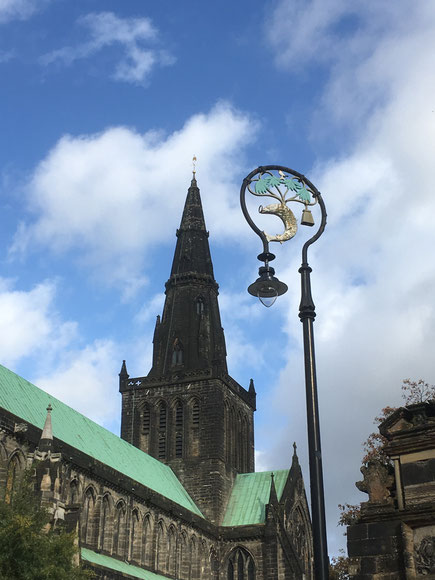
pixel 193 184
pixel 294 448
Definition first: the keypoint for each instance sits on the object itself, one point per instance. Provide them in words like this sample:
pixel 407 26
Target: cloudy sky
pixel 104 104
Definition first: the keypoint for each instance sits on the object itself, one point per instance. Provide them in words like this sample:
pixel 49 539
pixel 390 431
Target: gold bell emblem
pixel 307 218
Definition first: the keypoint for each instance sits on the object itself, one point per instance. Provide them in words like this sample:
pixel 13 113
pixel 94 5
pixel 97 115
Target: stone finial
pixel 123 374
pixel 46 441
pixel 377 482
pixel 251 389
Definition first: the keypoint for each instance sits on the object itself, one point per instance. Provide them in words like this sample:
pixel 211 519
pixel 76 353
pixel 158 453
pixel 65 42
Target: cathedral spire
pixel 189 336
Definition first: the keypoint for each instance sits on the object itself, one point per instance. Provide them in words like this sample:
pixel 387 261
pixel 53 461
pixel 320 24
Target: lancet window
pixel 12 476
pixel 177 353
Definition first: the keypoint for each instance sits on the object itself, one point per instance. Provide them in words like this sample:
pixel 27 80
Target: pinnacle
pixel 46 441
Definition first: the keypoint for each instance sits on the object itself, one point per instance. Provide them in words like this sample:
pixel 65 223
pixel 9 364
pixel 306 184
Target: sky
pixel 103 106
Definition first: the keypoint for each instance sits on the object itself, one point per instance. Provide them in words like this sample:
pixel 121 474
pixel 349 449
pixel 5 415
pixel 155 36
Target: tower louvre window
pixel 146 420
pixel 195 413
pixel 162 416
pixel 179 445
pixel 179 416
pixel 162 446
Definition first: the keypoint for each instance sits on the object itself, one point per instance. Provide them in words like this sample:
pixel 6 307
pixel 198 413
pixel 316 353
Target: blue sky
pixel 103 107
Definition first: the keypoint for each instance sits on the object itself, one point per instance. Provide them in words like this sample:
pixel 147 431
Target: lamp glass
pixel 267 295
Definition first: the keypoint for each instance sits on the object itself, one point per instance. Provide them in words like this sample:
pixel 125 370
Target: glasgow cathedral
pixel 176 496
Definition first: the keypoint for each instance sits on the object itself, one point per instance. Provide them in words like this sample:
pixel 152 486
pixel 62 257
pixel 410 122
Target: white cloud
pixel 19 9
pixel 86 377
pixel 113 196
pixel 151 309
pixel 136 37
pixel 29 324
pixel 373 273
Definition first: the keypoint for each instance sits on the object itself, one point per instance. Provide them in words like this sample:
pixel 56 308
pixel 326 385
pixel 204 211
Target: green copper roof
pixel 250 495
pixel 26 401
pixel 118 566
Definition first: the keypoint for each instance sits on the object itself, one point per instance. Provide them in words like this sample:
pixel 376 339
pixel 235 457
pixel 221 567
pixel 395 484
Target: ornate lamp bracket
pixel 284 186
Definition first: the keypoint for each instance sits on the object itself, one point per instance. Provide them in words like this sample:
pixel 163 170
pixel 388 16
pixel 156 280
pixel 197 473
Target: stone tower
pixel 188 412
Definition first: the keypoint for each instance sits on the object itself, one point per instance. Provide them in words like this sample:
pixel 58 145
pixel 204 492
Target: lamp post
pixel 287 186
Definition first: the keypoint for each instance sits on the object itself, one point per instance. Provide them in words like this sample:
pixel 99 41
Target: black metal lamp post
pixel 285 185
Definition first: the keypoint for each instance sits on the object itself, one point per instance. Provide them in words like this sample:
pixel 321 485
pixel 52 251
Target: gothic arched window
pixel 161 548
pixel 147 541
pixel 106 524
pixel 12 477
pixel 177 352
pixel 200 305
pixel 120 530
pixel 182 555
pixel 74 491
pixel 135 537
pixel 172 546
pixel 89 516
pixel 240 565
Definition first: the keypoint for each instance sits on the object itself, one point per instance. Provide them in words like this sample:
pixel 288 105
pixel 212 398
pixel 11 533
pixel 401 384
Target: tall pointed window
pixel 162 546
pixel 199 305
pixel 12 477
pixel 74 491
pixel 147 537
pixel 177 353
pixel 119 535
pixel 135 537
pixel 172 551
pixel 106 524
pixel 89 516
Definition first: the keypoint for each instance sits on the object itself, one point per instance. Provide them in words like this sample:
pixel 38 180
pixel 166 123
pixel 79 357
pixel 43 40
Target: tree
pixel 339 567
pixel 30 549
pixel 412 392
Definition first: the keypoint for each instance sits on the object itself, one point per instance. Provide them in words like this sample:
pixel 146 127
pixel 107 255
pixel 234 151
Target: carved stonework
pixel 377 482
pixel 424 551
pixel 425 556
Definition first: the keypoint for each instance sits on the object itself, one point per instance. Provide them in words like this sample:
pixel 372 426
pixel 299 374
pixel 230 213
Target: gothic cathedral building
pixel 177 495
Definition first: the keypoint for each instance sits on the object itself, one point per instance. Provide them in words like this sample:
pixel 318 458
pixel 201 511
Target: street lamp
pixel 287 186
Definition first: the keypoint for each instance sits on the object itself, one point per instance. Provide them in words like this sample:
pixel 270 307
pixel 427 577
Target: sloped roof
pixel 250 495
pixel 118 566
pixel 28 402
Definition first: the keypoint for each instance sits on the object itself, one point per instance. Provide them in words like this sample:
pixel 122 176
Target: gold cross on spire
pixel 194 165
